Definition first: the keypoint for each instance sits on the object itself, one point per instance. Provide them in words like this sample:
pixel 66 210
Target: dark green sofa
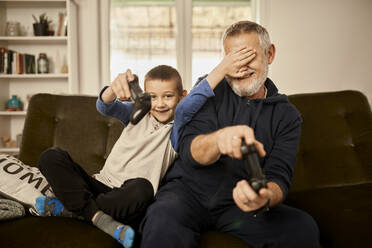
pixel 332 181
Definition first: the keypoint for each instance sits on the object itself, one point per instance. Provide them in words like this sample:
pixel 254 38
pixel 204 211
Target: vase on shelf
pixel 42 63
pixel 14 104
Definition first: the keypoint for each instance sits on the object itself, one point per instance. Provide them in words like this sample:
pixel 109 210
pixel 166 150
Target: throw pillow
pixel 21 182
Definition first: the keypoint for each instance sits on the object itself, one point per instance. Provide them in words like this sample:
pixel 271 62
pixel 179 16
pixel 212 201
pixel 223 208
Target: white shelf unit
pixel 13 113
pixel 10 150
pixel 34 76
pixel 35 39
pixel 60 50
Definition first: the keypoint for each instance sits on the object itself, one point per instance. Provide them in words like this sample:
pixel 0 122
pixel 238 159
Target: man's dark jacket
pixel 276 124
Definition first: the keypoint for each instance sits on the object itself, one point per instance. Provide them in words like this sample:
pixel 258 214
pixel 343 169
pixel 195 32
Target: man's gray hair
pixel 242 27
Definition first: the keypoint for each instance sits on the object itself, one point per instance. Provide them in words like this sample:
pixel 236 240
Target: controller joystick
pixel 257 179
pixel 141 99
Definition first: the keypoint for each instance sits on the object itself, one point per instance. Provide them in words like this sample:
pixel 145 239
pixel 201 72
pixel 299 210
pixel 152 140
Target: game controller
pixel 256 178
pixel 141 99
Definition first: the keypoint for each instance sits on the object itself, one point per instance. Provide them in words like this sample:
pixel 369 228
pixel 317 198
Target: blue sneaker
pixel 50 206
pixel 127 242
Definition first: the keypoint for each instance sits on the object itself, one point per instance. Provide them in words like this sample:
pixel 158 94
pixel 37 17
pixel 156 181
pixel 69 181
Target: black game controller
pixel 256 178
pixel 142 101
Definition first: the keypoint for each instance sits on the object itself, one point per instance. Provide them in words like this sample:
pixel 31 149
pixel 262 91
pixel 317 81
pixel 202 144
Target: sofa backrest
pixel 336 142
pixel 72 123
pixel 335 147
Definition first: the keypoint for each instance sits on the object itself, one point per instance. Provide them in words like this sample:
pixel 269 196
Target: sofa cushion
pixel 56 232
pixel 336 141
pixel 59 232
pixel 343 213
pixel 72 123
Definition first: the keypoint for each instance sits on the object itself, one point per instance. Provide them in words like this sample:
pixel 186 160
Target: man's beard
pixel 250 89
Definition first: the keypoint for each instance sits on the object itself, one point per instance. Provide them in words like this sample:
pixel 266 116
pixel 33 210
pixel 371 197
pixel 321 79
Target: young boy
pixel 122 190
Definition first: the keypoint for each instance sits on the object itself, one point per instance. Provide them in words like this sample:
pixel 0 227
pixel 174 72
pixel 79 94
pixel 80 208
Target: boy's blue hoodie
pixel 276 124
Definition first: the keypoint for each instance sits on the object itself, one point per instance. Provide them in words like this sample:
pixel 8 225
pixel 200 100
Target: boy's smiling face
pixel 164 99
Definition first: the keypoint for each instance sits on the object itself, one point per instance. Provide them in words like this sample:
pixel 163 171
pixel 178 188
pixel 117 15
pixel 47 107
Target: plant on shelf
pixel 41 25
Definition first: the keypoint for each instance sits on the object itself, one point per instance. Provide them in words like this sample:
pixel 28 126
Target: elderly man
pixel 207 188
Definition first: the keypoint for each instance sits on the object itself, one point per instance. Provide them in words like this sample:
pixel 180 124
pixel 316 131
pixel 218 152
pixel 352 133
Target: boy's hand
pixel 119 88
pixel 235 63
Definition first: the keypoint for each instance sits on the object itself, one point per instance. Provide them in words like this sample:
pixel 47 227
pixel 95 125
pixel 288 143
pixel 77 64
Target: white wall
pixel 322 45
pixel 89 46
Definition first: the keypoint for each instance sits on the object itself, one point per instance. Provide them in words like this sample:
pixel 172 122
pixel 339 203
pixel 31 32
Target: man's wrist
pixel 277 193
pixel 204 149
pixel 262 209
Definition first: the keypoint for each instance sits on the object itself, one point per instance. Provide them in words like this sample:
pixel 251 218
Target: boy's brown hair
pixel 165 73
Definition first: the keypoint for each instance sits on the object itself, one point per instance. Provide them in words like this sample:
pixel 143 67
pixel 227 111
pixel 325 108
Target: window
pixel 182 33
pixel 142 35
pixel 209 21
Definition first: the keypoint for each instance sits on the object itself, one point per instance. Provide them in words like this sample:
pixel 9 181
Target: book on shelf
pixel 62 24
pixel 2 60
pixel 30 66
pixel 12 62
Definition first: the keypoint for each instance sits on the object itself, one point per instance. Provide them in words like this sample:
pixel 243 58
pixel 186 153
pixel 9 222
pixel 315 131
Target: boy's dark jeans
pixel 84 195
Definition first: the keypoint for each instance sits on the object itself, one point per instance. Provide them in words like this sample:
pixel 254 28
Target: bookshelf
pixel 61 52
